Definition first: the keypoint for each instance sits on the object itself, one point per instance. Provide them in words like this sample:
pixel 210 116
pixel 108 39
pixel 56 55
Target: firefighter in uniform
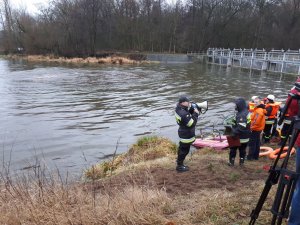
pixel 272 109
pixel 292 111
pixel 186 117
pixel 294 218
pixel 240 129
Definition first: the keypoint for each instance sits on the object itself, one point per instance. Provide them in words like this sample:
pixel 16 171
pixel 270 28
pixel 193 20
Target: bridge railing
pixel 259 54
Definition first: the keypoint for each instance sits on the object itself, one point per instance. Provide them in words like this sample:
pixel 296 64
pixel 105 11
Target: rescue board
pixel 215 143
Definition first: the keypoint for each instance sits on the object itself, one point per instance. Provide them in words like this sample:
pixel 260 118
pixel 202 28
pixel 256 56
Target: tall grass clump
pixel 145 149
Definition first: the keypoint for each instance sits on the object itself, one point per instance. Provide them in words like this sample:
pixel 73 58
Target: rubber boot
pixel 181 168
pixel 231 162
pixel 242 160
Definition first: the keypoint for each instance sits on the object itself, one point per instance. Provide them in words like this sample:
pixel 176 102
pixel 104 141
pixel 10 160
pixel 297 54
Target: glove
pixel 191 110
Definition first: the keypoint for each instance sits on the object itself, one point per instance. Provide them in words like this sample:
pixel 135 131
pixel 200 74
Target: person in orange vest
pixel 251 104
pixel 272 109
pixel 256 127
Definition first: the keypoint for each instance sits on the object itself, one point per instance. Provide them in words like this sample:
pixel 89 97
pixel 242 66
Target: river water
pixel 73 117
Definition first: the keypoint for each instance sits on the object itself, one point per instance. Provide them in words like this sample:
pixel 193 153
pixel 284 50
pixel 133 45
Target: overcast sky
pixel 33 5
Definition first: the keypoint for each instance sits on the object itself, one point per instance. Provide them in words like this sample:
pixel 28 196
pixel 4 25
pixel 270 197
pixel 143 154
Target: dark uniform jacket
pixel 242 121
pixel 186 119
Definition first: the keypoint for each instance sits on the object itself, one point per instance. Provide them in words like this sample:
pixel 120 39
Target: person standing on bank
pixel 272 109
pixel 186 117
pixel 256 127
pixel 291 112
pixel 241 129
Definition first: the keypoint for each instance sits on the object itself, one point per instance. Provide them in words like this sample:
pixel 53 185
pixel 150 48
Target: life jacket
pixel 258 118
pixel 275 108
pixel 251 106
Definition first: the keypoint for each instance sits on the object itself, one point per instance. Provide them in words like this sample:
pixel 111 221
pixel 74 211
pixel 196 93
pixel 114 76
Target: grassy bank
pixel 130 59
pixel 141 187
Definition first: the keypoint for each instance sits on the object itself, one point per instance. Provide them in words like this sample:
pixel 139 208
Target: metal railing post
pixel 283 60
pixel 252 57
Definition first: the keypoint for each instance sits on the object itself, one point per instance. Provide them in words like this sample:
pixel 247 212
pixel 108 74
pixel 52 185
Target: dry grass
pixel 119 60
pixel 41 198
pixel 47 201
pixel 53 203
pixel 146 149
pixel 220 207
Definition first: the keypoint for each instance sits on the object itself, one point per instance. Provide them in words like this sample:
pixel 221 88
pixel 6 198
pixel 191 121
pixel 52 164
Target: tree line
pixel 90 27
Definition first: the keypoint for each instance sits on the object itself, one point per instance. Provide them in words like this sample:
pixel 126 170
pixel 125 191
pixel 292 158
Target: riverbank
pixel 118 59
pixel 141 187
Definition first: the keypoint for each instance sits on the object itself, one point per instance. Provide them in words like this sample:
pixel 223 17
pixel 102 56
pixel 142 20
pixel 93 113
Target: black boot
pixel 231 162
pixel 242 160
pixel 181 168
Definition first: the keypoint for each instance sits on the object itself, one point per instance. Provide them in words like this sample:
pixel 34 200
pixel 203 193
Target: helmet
pixel 254 97
pixel 183 99
pixel 271 97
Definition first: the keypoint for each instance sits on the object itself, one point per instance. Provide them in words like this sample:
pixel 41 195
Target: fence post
pixel 241 59
pixel 252 57
pixel 229 59
pixel 282 64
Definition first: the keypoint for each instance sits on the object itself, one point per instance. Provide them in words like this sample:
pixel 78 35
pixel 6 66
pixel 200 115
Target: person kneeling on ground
pixel 241 129
pixel 186 117
pixel 256 127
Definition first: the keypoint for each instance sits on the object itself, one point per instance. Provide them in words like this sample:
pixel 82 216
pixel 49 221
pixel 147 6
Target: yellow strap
pixel 244 140
pixel 177 117
pixel 270 121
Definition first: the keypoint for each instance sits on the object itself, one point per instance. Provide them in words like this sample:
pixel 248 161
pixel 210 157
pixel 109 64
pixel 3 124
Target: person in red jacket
pixel 256 127
pixel 292 111
pixel 294 218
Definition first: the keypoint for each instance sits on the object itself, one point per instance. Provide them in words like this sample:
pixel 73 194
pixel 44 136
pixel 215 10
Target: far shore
pixel 112 59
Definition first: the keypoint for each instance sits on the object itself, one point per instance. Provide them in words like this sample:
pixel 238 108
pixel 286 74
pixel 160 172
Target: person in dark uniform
pixel 186 117
pixel 241 129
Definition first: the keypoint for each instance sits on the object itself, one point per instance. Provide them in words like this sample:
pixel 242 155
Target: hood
pixel 240 104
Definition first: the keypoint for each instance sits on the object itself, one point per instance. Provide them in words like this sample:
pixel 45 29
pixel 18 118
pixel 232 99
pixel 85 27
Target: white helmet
pixel 254 97
pixel 271 97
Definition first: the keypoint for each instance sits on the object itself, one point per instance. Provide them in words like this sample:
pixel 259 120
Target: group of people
pixel 252 119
